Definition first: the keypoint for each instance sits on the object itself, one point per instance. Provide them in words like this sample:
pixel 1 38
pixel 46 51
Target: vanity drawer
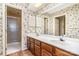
pixel 37 42
pixel 46 47
pixel 31 39
pixel 28 44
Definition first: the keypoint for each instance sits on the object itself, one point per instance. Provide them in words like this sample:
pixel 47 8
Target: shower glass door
pixel 13 34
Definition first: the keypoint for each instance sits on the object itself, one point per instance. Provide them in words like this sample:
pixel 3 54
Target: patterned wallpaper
pixel 1 44
pixel 39 24
pixel 31 23
pixel 36 24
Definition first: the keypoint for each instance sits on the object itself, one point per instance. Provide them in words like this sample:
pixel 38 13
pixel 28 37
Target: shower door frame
pixel 5 27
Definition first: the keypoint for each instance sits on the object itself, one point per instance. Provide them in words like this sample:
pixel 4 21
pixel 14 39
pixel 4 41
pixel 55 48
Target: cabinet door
pixel 45 53
pixel 37 42
pixel 46 47
pixel 32 47
pixel 62 53
pixel 28 43
pixel 37 50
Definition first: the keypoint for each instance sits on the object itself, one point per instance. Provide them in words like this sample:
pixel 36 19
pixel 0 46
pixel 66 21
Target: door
pixel 62 25
pixel 13 30
pixel 57 27
pixel 45 25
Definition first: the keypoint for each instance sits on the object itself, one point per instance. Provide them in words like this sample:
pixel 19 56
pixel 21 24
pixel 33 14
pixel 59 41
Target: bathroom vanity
pixel 43 47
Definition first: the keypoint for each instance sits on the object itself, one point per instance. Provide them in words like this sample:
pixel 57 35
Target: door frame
pixel 65 20
pixel 5 26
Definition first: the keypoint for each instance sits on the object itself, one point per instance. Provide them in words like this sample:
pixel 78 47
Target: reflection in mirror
pixel 45 25
pixel 60 25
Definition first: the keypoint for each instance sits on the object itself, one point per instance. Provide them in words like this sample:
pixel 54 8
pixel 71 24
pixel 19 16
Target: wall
pixel 39 24
pixel 36 24
pixel 31 23
pixel 1 30
pixel 50 26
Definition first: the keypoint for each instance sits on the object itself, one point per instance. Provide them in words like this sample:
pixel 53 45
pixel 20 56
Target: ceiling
pixel 32 6
pixel 48 8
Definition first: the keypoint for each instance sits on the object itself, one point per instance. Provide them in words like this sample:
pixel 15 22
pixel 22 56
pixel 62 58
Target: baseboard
pixel 24 48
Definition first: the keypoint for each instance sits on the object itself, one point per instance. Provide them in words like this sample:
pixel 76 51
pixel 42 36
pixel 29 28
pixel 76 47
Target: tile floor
pixel 13 47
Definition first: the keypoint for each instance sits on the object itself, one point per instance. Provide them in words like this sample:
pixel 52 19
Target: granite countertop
pixel 71 46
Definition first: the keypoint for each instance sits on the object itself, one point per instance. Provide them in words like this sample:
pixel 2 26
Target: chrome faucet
pixel 61 38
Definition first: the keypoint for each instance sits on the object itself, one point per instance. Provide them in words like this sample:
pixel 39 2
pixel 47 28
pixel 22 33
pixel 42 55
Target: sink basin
pixel 56 40
pixel 65 43
pixel 49 37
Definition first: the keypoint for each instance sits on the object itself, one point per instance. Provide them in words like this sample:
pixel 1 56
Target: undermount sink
pixel 49 38
pixel 56 39
pixel 65 43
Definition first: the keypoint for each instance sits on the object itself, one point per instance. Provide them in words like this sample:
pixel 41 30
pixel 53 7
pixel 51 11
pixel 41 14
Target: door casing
pixel 5 26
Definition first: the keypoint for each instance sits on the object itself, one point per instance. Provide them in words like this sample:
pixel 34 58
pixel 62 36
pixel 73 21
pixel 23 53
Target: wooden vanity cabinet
pixel 39 48
pixel 46 49
pixel 32 47
pixel 45 53
pixel 31 39
pixel 60 52
pixel 37 42
pixel 28 43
